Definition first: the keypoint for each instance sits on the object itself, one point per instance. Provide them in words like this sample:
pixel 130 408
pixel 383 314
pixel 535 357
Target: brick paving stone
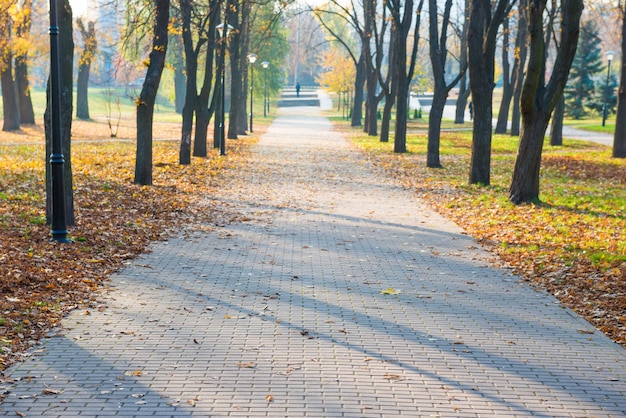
pixel 342 294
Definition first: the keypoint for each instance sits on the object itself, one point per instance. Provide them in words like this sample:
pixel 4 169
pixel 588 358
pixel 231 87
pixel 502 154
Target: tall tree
pixel 580 89
pixel 87 55
pixel 402 18
pixel 147 97
pixel 507 82
pixel 438 58
pixel 464 92
pixel 9 89
pixel 519 65
pixel 22 31
pixel 205 105
pixel 619 138
pixel 66 58
pixel 191 53
pixel 483 29
pixel 236 86
pixel 538 98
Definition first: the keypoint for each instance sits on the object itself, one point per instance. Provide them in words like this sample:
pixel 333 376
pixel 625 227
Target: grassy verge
pixel 573 244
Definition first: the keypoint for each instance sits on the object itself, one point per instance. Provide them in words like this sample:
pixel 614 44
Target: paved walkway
pixel 340 294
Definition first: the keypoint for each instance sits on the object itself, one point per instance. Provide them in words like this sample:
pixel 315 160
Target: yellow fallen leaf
pixel 390 291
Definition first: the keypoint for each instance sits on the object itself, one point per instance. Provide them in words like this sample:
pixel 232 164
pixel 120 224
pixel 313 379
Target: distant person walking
pixel 297 89
pixel 471 110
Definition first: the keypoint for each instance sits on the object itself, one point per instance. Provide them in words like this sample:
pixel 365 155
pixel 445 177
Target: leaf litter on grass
pixel 115 222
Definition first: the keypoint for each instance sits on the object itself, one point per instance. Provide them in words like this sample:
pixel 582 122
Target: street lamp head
pixel 252 58
pixel 265 64
pixel 609 56
pixel 220 30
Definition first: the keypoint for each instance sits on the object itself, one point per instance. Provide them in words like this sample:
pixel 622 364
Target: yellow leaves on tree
pixel 340 71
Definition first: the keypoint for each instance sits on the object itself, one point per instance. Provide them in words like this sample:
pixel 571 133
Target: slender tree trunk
pixel 180 80
pixel 191 94
pixel 402 97
pixel 481 84
pixel 507 86
pixel 66 58
pixel 520 64
pixel 204 112
pixel 359 85
pixel 483 28
pixel 619 139
pixel 556 128
pixel 438 57
pixel 84 68
pixel 147 97
pixel 464 92
pixel 434 129
pixel 22 30
pixel 235 72
pixel 9 96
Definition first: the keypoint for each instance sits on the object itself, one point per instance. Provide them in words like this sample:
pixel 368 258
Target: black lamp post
pixel 252 60
pixel 265 64
pixel 609 58
pixel 223 34
pixel 57 160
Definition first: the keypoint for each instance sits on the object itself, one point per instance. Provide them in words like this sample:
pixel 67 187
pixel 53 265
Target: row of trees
pixel 538 40
pixel 149 30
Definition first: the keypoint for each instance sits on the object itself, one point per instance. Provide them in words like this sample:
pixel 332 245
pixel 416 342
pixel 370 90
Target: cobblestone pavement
pixel 339 294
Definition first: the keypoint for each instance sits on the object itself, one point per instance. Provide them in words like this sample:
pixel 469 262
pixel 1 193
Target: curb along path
pixel 340 295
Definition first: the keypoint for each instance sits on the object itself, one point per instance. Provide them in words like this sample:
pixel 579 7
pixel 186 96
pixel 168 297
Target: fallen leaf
pixel 248 365
pixel 390 291
pixel 269 398
pixel 49 391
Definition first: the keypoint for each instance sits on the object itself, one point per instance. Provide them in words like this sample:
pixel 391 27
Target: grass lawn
pixel 572 244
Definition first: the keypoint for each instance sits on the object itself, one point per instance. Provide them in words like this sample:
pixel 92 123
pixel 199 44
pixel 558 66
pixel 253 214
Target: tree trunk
pixel 147 97
pixel 402 96
pixel 66 61
pixel 556 129
pixel 520 65
pixel 434 128
pixel 235 72
pixel 539 100
pixel 461 101
pixel 438 57
pixel 204 112
pixel 371 104
pixel 22 30
pixel 180 80
pixel 84 68
pixel 483 28
pixel 9 95
pixel 507 86
pixel 359 85
pixel 191 94
pixel 525 185
pixel 619 138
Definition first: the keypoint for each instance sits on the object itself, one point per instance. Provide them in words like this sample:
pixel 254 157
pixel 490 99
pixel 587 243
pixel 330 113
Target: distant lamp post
pixel 57 160
pixel 609 58
pixel 224 33
pixel 265 64
pixel 251 60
